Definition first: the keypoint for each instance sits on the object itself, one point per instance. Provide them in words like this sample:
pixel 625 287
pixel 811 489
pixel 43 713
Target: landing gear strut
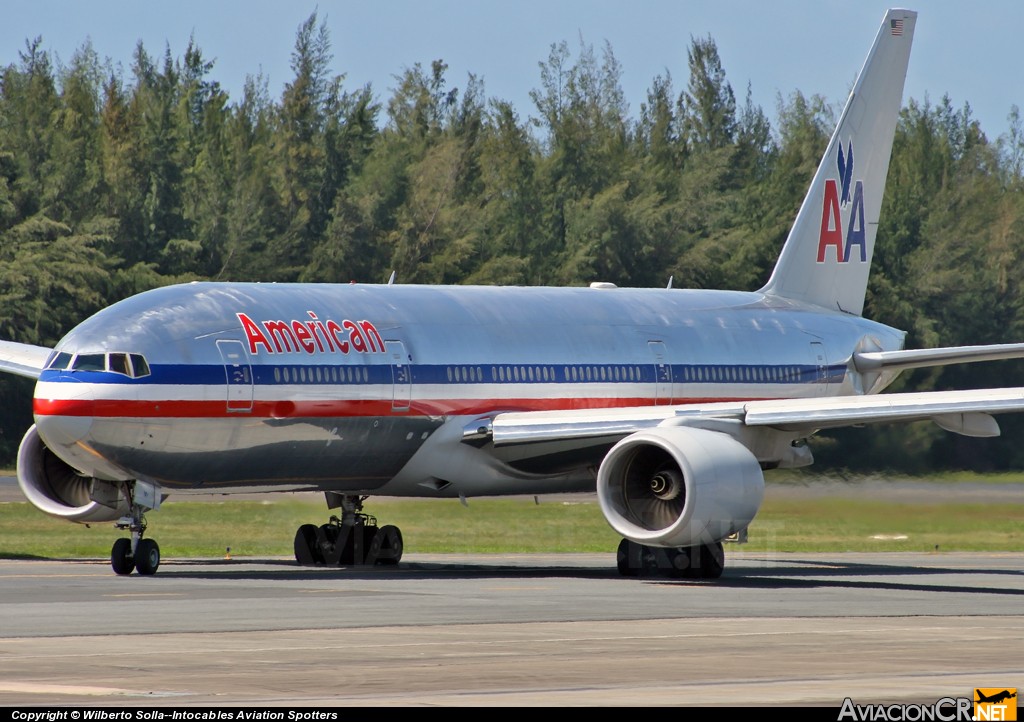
pixel 138 554
pixel 706 561
pixel 354 539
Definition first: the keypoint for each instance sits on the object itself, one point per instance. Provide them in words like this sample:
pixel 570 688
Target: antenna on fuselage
pixel 391 280
pixel 669 286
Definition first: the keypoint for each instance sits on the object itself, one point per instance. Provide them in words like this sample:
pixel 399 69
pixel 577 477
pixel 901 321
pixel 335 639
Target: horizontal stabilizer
pixel 925 357
pixel 823 413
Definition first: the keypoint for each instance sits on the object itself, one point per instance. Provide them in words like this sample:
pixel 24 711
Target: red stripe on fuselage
pixel 118 408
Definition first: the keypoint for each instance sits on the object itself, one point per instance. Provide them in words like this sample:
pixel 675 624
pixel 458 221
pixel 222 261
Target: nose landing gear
pixel 136 553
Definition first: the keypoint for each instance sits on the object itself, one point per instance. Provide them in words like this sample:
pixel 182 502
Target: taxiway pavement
pixel 792 629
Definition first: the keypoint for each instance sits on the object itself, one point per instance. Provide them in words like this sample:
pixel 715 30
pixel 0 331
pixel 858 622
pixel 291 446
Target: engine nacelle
pixel 58 490
pixel 679 487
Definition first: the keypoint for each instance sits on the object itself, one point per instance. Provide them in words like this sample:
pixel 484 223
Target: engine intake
pixel 679 487
pixel 54 487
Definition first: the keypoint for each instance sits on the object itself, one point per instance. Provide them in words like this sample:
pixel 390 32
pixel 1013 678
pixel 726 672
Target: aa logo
pixel 993 703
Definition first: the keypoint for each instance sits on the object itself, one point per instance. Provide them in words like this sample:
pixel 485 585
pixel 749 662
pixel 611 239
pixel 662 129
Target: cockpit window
pixel 119 363
pixel 59 361
pixel 133 365
pixel 90 362
pixel 139 365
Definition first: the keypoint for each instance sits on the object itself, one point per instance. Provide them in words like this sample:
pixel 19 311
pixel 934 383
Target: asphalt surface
pixel 518 630
pixel 787 629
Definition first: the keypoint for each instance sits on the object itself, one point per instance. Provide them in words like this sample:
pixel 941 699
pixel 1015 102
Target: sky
pixel 969 51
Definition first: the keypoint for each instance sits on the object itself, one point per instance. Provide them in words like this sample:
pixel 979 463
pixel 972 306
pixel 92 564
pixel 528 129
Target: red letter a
pixel 831 225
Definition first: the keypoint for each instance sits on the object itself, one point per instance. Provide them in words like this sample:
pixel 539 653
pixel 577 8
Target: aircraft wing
pixel 23 359
pixel 964 412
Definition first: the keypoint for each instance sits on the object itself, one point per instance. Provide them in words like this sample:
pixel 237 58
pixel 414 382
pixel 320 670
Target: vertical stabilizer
pixel 826 258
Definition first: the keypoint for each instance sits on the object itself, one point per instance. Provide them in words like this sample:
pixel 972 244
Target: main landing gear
pixel 136 554
pixel 706 561
pixel 355 539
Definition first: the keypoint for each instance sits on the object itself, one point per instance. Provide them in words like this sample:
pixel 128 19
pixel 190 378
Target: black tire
pixel 712 560
pixel 385 549
pixel 306 550
pixel 627 558
pixel 147 557
pixel 121 559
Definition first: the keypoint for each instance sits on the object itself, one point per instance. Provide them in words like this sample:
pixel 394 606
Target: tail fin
pixel 828 253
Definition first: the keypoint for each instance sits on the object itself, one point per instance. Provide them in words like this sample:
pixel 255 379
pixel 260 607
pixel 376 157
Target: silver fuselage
pixel 335 387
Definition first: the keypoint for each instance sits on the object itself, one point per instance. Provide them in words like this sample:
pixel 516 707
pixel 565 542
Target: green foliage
pixel 114 182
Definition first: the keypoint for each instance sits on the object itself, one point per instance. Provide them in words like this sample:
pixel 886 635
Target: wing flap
pixel 521 427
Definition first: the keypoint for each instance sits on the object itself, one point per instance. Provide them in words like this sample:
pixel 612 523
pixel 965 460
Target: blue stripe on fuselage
pixel 461 374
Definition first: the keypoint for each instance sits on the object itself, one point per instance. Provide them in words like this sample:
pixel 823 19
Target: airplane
pixel 996 698
pixel 670 403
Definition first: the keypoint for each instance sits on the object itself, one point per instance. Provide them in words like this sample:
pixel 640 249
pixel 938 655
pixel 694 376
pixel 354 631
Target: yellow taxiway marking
pixel 147 594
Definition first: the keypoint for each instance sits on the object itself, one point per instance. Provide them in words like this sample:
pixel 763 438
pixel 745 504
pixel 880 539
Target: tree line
pixel 112 183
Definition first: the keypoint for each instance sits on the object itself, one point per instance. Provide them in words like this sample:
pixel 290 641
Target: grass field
pixel 266 528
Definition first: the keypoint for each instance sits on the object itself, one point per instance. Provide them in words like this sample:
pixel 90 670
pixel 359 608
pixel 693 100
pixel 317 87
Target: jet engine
pixel 58 490
pixel 679 487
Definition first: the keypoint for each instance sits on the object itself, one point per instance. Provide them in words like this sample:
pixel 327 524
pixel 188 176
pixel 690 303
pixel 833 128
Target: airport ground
pixel 513 630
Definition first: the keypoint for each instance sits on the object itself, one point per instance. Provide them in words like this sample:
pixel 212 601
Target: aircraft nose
pixel 63 411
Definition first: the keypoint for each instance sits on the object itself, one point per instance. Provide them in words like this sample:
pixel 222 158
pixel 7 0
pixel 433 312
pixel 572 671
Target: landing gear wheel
pixel 147 557
pixel 712 561
pixel 121 558
pixel 627 558
pixel 352 540
pixel 385 548
pixel 699 562
pixel 307 552
pixel 359 542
